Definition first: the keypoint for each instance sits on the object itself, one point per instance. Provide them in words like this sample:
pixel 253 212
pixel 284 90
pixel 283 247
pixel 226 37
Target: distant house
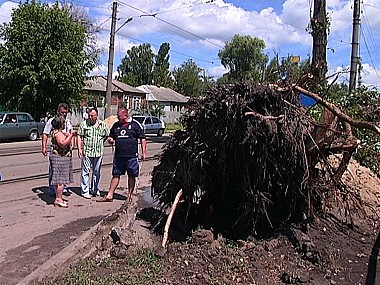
pixel 121 93
pixel 172 102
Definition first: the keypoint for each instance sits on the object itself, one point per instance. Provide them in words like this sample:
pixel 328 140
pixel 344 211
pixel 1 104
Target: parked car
pixel 19 125
pixel 151 124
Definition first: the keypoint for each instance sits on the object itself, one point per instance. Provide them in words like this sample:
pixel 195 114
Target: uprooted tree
pixel 251 159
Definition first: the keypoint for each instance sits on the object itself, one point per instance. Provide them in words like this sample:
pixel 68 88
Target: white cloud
pixel 99 70
pixel 6 11
pixel 217 71
pixel 203 28
pixel 370 76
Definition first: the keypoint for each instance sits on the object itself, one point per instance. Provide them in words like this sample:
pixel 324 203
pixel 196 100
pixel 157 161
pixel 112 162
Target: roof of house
pixel 162 94
pixel 99 83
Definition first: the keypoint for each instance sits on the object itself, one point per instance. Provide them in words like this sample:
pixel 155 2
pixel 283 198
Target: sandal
pixel 61 204
pixel 105 199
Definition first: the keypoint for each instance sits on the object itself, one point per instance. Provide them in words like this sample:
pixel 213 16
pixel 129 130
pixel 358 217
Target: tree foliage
pixel 286 69
pixel 363 105
pixel 136 67
pixel 161 73
pixel 244 58
pixel 43 60
pixel 140 66
pixel 187 79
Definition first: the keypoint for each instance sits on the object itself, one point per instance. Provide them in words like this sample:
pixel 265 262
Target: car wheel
pixel 33 135
pixel 160 132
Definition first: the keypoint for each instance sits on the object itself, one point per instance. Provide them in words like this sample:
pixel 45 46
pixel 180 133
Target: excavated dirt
pixel 331 250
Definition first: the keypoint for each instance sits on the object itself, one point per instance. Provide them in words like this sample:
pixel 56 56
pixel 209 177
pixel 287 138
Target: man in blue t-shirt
pixel 125 134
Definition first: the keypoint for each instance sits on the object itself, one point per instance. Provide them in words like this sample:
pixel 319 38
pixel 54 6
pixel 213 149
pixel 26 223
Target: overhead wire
pixel 173 51
pixel 369 54
pixel 371 37
pixel 154 15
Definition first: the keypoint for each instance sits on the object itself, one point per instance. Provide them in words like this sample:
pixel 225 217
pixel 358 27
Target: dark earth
pixel 338 248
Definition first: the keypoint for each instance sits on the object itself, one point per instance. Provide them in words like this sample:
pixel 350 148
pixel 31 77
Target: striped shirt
pixel 93 138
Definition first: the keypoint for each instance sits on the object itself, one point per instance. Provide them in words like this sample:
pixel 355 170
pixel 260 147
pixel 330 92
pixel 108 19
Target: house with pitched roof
pixel 170 101
pixel 121 93
pixel 94 95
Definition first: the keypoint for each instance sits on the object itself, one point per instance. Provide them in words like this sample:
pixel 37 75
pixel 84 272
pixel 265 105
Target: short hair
pixel 123 108
pixel 94 109
pixel 62 105
pixel 57 122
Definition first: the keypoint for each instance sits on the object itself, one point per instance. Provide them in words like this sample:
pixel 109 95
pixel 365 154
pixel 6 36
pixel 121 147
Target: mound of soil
pixel 330 250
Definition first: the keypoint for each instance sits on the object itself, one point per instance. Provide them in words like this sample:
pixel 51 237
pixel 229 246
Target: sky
pixel 199 29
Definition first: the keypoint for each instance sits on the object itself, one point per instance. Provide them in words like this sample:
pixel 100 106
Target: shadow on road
pixel 43 193
pixel 156 139
pixel 372 263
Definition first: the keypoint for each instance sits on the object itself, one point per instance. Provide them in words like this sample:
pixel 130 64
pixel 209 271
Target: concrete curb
pixel 75 251
pixel 83 246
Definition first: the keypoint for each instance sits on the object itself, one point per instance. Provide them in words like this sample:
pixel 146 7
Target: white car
pixel 151 124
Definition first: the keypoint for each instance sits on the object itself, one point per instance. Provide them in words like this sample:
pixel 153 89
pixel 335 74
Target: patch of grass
pixel 142 268
pixel 173 127
pixel 80 274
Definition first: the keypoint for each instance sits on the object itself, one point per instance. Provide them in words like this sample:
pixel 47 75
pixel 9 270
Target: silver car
pixel 151 124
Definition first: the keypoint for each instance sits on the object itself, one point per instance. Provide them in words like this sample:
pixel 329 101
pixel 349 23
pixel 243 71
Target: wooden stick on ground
pixel 169 220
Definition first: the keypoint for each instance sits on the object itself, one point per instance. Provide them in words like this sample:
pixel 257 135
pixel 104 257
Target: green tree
pixel 244 58
pixel 187 79
pixel 286 69
pixel 161 72
pixel 136 67
pixel 43 60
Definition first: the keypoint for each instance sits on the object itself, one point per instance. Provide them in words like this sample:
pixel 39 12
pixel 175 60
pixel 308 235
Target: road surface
pixel 31 228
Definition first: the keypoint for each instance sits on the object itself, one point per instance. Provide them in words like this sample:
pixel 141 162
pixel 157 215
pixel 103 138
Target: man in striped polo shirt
pixel 91 136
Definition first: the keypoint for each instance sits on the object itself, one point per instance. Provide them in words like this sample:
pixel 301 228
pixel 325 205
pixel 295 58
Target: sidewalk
pixel 98 236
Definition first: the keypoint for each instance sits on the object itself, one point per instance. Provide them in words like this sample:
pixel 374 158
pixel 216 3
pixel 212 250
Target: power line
pixel 157 46
pixel 144 13
pixel 372 6
pixel 369 54
pixel 371 37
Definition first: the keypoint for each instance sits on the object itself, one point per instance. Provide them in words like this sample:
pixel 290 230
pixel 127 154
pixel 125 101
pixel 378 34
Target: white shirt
pixel 48 127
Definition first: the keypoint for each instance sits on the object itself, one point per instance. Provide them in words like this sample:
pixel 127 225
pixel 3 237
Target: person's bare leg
pixel 131 186
pixel 113 185
pixel 58 193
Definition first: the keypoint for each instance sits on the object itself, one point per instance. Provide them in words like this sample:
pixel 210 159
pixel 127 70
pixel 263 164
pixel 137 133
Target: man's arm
pixel 44 143
pixel 80 144
pixel 143 148
pixel 45 135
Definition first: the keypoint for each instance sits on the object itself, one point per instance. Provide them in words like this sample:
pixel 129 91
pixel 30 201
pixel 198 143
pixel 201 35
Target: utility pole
pixel 355 46
pixel 319 25
pixel 110 62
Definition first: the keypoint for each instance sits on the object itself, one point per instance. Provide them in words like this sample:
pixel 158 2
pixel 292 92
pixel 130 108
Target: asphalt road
pixel 31 228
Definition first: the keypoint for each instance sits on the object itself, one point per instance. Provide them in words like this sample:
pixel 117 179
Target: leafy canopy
pixel 161 73
pixel 43 60
pixel 362 105
pixel 140 66
pixel 136 67
pixel 244 58
pixel 188 80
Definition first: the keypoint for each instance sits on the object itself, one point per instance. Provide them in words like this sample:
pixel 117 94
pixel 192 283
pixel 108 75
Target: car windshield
pixel 1 117
pixel 139 119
